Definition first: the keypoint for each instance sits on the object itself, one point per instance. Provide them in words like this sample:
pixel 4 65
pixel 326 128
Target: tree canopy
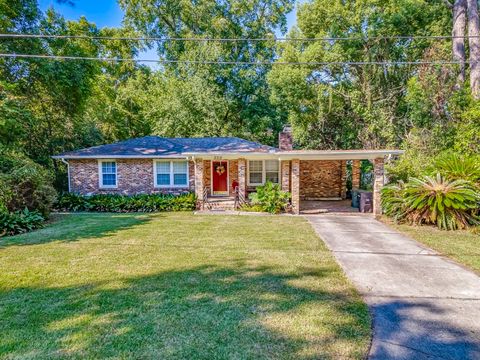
pixel 48 106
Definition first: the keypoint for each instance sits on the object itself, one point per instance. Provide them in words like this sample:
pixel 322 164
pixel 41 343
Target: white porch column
pixel 378 182
pixel 295 186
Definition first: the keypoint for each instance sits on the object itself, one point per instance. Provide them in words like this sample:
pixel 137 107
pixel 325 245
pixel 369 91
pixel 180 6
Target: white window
pixel 108 174
pixel 261 171
pixel 255 172
pixel 272 171
pixel 171 173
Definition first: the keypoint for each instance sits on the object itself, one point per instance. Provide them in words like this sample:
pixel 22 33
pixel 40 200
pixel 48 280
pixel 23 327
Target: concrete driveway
pixel 424 306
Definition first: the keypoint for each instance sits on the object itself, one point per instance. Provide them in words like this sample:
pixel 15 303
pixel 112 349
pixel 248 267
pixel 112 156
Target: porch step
pixel 220 203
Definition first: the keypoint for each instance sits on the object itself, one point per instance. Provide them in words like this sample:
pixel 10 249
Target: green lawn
pixel 176 286
pixel 461 246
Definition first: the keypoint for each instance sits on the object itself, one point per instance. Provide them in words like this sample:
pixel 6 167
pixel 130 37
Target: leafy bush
pixel 419 154
pixel 450 204
pixel 270 198
pixel 123 203
pixel 24 184
pixel 20 222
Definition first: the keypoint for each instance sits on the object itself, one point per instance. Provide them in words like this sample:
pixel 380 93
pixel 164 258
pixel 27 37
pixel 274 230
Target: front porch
pixel 316 180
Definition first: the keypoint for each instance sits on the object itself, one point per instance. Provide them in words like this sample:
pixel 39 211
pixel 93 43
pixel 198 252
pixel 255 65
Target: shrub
pixel 24 184
pixel 123 203
pixel 20 222
pixel 450 204
pixel 270 198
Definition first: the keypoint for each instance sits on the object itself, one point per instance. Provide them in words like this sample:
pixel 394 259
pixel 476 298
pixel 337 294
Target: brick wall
pixel 318 179
pixel 321 179
pixel 233 175
pixel 285 139
pixel 133 176
pixel 285 175
pixel 207 174
pixel 83 176
pixel 356 165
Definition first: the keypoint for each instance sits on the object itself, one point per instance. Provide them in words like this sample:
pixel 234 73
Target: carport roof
pixel 337 154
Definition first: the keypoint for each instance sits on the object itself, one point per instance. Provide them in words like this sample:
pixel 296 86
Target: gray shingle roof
pixel 158 146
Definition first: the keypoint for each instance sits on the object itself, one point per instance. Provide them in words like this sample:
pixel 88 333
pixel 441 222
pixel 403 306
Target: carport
pixel 320 175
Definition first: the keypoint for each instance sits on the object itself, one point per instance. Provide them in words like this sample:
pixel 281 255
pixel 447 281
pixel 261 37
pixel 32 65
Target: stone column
pixel 242 178
pixel 285 171
pixel 356 174
pixel 343 193
pixel 296 186
pixel 378 182
pixel 199 184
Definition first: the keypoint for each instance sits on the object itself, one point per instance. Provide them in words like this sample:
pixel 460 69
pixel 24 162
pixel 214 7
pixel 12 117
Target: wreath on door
pixel 220 169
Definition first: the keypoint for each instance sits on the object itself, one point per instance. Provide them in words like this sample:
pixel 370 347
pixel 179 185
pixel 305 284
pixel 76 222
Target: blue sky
pixel 108 13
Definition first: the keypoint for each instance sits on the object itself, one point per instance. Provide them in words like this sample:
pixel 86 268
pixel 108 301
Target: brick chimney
pixel 285 139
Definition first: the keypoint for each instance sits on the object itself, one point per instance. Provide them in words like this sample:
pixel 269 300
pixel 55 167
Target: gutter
pixel 79 157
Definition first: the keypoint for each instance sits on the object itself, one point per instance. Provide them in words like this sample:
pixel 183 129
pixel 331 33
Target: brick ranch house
pixel 218 168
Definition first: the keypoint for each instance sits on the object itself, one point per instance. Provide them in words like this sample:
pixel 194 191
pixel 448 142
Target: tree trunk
pixel 459 10
pixel 474 47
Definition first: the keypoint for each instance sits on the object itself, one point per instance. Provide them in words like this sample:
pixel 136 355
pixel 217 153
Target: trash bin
pixel 355 198
pixel 366 201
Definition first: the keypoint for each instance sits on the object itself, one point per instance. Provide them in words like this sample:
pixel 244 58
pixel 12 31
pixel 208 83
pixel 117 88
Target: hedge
pixel 123 203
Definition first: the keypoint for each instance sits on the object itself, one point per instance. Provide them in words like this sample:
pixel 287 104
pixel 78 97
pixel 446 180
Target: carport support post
pixel 356 174
pixel 199 181
pixel 296 186
pixel 378 182
pixel 343 193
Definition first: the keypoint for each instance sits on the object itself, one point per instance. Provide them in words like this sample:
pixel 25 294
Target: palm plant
pixel 392 200
pixel 457 167
pixel 450 204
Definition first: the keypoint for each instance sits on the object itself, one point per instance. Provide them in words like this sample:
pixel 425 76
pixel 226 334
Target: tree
pixel 237 95
pixel 474 47
pixel 354 106
pixel 43 102
pixel 459 16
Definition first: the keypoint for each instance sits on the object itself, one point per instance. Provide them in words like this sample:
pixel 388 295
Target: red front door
pixel 220 177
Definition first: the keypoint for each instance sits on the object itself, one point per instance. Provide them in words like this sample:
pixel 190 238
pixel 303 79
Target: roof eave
pixel 281 155
pixel 106 156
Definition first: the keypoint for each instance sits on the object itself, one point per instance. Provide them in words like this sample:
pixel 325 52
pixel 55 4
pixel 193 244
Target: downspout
pixel 68 172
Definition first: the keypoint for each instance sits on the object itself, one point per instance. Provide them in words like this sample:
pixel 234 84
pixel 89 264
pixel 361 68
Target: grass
pixel 176 286
pixel 461 246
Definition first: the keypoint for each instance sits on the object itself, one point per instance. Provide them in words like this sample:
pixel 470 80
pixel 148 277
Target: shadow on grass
pixel 74 227
pixel 200 313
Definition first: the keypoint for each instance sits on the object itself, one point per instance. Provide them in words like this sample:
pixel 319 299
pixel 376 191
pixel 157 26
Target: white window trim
pixel 264 172
pixel 171 186
pixel 100 174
